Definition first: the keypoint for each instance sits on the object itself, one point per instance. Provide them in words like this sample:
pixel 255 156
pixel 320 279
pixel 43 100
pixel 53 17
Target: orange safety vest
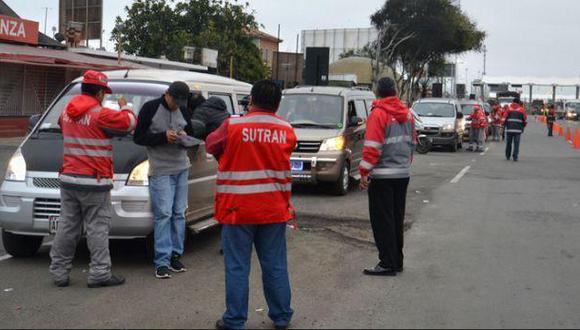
pixel 254 180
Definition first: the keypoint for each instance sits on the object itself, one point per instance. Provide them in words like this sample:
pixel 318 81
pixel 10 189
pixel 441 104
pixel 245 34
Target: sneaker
pixel 176 266
pixel 162 272
pixel 115 280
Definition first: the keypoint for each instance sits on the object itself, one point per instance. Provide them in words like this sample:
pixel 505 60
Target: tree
pixel 423 31
pixel 155 28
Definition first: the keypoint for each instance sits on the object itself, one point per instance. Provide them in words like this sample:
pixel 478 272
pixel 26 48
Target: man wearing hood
pixel 86 180
pixel 515 122
pixel 209 116
pixel 387 156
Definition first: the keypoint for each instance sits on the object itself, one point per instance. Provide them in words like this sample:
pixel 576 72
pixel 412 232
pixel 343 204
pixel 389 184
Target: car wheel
pixel 21 246
pixel 340 187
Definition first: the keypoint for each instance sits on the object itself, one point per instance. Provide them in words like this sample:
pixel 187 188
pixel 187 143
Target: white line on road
pixel 460 174
pixel 483 153
pixel 5 257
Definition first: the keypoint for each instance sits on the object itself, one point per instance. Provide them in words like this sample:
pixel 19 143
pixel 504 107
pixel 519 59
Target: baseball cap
pixel 179 91
pixel 92 77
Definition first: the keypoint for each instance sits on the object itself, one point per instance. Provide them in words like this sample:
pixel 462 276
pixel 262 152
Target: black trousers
pixel 550 129
pixel 387 199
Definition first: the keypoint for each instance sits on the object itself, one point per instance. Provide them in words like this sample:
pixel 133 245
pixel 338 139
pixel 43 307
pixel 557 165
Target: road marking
pixel 483 153
pixel 5 257
pixel 460 174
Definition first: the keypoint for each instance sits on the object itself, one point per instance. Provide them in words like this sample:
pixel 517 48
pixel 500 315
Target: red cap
pixel 97 78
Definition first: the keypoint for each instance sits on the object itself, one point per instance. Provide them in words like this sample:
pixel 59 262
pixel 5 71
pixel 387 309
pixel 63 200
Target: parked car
pixel 442 121
pixel 330 123
pixel 30 196
pixel 571 109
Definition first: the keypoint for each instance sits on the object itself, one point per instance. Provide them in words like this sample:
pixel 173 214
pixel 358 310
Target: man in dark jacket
pixel 515 122
pixel 162 127
pixel 551 119
pixel 387 157
pixel 209 116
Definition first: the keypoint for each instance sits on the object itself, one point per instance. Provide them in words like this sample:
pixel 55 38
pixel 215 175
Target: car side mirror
pixel 460 115
pixel 32 121
pixel 355 121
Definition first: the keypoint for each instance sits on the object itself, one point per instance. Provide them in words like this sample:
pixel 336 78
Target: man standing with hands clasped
pixel 385 171
pixel 252 203
pixel 165 129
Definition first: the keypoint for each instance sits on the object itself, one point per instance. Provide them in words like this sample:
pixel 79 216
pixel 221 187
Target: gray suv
pixel 442 121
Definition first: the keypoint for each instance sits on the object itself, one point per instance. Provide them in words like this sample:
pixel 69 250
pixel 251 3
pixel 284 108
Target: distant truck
pixel 507 97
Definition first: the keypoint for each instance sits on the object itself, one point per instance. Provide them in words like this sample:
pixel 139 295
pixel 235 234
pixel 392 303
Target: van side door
pixel 356 134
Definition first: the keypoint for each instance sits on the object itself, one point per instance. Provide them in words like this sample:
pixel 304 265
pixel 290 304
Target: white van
pixel 30 196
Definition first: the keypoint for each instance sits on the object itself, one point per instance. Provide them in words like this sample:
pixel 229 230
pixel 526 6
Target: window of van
pixel 313 110
pixel 369 105
pixel 360 109
pixel 227 98
pixel 136 93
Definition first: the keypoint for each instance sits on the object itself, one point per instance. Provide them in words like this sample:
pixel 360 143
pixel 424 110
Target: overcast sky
pixel 525 37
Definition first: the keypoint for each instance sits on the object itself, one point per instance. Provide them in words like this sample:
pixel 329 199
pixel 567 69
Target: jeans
pixel 477 138
pixel 168 200
pixel 515 138
pixel 496 129
pixel 270 244
pixel 387 202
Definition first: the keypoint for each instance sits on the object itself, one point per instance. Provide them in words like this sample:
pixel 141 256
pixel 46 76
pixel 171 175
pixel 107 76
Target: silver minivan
pixel 30 195
pixel 443 121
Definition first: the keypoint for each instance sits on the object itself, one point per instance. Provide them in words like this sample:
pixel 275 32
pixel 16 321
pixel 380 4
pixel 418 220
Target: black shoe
pixel 507 157
pixel 515 159
pixel 220 325
pixel 62 283
pixel 281 327
pixel 162 272
pixel 378 270
pixel 176 266
pixel 115 280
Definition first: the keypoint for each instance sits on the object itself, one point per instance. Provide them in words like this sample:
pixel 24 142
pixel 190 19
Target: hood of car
pixel 316 134
pixel 437 121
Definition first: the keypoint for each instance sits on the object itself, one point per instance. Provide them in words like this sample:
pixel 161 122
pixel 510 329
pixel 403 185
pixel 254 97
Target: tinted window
pixel 136 93
pixel 467 109
pixel 227 98
pixel 434 110
pixel 312 110
pixel 360 109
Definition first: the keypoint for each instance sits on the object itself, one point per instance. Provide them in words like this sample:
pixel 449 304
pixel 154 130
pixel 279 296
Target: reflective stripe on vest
pixel 87 152
pixel 373 144
pixel 513 131
pixel 259 120
pixel 82 181
pixel 254 189
pixel 254 175
pixel 514 120
pixel 391 171
pixel 399 139
pixel 366 165
pixel 88 142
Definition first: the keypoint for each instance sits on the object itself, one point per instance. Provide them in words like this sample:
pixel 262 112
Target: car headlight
pixel 448 128
pixel 139 175
pixel 333 144
pixel 16 170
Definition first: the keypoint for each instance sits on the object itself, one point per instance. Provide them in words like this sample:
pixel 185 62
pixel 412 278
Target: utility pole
pixel 45 17
pixel 278 53
pixel 484 60
pixel 296 61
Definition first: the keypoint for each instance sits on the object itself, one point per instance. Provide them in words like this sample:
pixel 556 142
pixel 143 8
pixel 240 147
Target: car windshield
pixel 443 110
pixel 136 93
pixel 574 106
pixel 308 110
pixel 467 109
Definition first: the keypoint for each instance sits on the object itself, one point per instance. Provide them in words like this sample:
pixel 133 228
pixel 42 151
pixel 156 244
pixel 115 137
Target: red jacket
pixel 497 115
pixel 389 141
pixel 478 118
pixel 254 179
pixel 88 149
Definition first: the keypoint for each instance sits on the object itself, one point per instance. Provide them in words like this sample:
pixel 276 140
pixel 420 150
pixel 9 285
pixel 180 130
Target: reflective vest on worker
pixel 254 179
pixel 516 119
pixel 88 149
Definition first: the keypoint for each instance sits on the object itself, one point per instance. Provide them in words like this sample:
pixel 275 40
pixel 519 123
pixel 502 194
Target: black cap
pixel 179 91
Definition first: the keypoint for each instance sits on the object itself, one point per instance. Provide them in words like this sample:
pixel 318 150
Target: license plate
pixel 297 165
pixel 53 224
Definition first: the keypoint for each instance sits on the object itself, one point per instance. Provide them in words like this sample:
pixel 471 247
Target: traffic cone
pixel 568 134
pixel 576 143
pixel 560 130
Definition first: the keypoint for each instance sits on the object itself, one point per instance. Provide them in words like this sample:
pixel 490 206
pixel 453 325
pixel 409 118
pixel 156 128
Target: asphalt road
pixel 497 248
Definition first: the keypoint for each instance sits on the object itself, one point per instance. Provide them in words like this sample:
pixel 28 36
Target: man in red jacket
pixel 478 127
pixel 86 179
pixel 387 156
pixel 252 202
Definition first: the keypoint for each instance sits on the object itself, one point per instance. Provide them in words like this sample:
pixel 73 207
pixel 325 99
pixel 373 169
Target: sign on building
pixel 89 13
pixel 19 30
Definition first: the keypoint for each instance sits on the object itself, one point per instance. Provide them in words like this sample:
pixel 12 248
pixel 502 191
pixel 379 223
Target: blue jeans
pixel 270 243
pixel 168 200
pixel 515 138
